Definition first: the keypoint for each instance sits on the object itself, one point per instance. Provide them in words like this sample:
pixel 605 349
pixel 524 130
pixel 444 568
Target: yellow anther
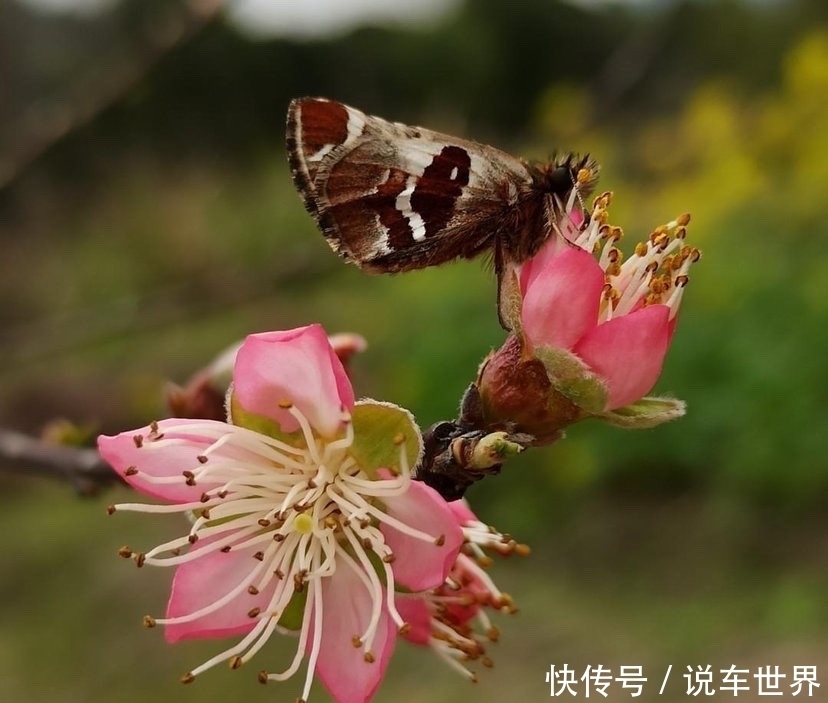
pixel 585 175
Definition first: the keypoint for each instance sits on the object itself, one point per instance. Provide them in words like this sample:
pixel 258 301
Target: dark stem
pixel 82 467
pixel 449 464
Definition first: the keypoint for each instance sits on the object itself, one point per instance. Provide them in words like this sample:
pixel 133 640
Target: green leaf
pixel 379 430
pixel 645 413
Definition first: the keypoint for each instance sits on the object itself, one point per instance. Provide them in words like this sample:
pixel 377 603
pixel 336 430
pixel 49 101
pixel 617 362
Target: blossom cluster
pixel 303 518
pixel 303 515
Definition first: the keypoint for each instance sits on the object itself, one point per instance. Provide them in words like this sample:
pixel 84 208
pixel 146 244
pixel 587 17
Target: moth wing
pixel 392 197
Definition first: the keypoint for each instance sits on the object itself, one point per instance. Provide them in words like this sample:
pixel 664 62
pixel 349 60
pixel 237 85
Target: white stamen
pixel 376 589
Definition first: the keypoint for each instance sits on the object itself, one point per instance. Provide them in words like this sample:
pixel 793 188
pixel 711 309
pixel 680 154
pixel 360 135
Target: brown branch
pixel 82 467
pixel 458 453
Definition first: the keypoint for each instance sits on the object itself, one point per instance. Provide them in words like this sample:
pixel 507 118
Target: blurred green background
pixel 147 220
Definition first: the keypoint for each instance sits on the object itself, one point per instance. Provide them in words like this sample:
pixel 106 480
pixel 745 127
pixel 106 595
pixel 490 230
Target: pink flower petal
pixel 297 366
pixel 560 303
pixel 462 512
pixel 628 352
pixel 204 580
pixel 123 452
pixel 477 591
pixel 346 612
pixel 415 612
pixel 419 564
pixel 529 270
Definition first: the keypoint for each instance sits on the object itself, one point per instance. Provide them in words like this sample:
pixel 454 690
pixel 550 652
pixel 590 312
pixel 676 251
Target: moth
pixel 390 197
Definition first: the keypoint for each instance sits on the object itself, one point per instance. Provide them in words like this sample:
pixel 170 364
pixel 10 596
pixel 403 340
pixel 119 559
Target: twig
pixel 82 467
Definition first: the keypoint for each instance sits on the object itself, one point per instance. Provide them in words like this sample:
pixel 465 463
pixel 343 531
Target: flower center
pixel 303 524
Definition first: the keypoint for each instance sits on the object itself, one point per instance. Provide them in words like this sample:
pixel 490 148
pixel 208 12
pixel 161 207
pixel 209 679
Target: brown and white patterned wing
pixel 391 197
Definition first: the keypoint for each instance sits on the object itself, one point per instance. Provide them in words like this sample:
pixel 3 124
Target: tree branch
pixel 82 467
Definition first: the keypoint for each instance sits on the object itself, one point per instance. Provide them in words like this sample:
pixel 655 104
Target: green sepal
pixel 379 429
pixel 263 425
pixel 294 612
pixel 509 300
pixel 645 413
pixel 573 379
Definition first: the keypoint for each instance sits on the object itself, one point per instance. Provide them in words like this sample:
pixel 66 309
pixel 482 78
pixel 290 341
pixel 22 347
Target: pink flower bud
pixel 590 333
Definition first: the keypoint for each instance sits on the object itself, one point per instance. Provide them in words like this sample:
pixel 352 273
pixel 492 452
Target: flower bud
pixel 589 335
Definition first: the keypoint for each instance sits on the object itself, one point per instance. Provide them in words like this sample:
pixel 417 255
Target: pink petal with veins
pixel 417 616
pixel 204 580
pixel 628 352
pixel 462 512
pixel 346 613
pixel 163 460
pixel 298 366
pixel 560 303
pixel 420 564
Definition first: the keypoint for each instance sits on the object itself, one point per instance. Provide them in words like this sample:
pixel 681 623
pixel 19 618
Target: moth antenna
pixel 556 212
pixel 576 188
